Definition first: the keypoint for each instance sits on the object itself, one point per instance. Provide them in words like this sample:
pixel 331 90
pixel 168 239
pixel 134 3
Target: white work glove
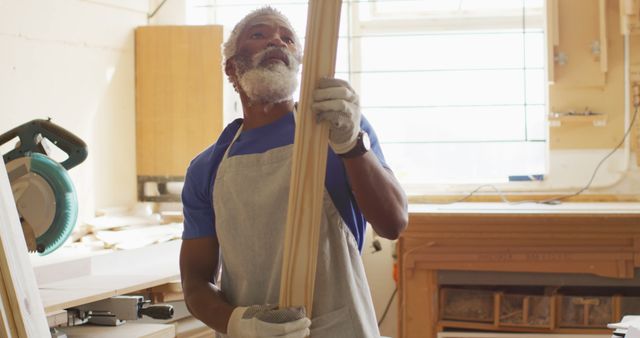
pixel 335 102
pixel 266 321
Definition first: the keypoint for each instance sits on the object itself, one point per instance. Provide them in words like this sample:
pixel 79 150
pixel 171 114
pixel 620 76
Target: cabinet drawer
pixel 585 311
pixel 467 305
pixel 525 310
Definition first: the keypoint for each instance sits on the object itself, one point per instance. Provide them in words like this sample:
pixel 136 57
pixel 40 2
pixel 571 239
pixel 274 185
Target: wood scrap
pixel 191 327
pixel 169 292
pixel 130 329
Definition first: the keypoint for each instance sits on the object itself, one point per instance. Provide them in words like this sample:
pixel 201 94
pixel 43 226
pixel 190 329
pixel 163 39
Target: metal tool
pixel 43 191
pixel 117 310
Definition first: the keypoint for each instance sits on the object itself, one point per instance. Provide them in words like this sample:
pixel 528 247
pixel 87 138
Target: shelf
pixel 557 119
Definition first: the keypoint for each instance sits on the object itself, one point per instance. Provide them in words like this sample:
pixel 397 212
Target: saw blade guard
pixel 28 134
pixel 50 205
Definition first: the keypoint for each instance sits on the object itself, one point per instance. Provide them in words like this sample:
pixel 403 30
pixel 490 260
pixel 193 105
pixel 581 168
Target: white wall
pixel 379 269
pixel 73 61
pixel 171 12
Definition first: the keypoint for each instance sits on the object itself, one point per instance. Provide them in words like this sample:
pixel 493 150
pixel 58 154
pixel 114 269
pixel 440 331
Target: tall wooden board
pixel 21 306
pixel 309 159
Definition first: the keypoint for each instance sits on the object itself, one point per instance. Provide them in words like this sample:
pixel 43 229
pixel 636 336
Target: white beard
pixel 272 83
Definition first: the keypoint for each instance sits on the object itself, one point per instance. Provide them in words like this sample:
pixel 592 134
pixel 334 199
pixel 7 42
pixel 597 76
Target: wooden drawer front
pixel 526 310
pixel 585 311
pixel 629 306
pixel 467 305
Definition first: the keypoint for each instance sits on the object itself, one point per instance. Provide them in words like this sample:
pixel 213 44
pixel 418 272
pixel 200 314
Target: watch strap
pixel 360 148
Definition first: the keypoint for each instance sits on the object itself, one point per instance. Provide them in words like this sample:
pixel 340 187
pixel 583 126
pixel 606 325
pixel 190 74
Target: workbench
pixel 587 240
pixel 65 281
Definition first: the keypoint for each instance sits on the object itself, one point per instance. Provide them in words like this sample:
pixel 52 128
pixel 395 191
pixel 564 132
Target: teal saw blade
pixel 46 199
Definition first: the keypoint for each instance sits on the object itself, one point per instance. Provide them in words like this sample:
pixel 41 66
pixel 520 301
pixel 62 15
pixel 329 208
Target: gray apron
pixel 250 204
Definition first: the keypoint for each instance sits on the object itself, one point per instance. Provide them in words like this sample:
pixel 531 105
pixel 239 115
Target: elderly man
pixel 236 192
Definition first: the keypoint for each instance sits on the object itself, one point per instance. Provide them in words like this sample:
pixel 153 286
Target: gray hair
pixel 229 48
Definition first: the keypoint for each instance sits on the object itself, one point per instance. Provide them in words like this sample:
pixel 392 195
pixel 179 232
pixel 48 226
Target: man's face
pixel 268 60
pixel 265 31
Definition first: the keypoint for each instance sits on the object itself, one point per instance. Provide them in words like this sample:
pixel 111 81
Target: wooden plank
pixel 624 26
pixel 573 209
pixel 580 70
pixel 419 319
pixel 599 268
pixel 628 16
pixel 56 300
pixel 582 333
pixel 171 287
pixel 20 298
pixel 191 327
pixel 309 160
pixel 517 197
pixel 129 329
pixel 70 282
pixel 515 335
pixel 7 328
pixel 166 297
pixel 57 318
pixel 76 291
pixel 178 95
pixel 602 21
pixel 636 247
pixel 552 36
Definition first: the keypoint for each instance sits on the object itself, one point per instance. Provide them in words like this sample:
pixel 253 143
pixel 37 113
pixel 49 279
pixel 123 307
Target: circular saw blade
pixel 34 197
pixel 43 188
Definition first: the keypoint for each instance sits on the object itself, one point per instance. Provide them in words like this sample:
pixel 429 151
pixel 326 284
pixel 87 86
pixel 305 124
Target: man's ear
pixel 230 70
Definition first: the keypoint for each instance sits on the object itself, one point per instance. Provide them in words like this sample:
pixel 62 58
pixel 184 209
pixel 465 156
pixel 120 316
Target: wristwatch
pixel 363 144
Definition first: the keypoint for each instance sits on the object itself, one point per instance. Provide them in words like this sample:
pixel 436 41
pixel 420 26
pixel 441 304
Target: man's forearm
pixel 207 303
pixel 379 195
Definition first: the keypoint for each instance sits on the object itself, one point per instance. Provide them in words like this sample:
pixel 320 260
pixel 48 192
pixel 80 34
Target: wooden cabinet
pixel 178 96
pixel 470 237
pixel 577 42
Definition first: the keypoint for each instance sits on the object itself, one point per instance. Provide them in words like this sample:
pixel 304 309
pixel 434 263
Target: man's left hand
pixel 335 102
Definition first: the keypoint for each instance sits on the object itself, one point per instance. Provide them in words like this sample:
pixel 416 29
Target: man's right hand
pixel 266 321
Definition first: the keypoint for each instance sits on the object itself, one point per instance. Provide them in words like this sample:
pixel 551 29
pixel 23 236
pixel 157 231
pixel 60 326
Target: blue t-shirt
pixel 197 193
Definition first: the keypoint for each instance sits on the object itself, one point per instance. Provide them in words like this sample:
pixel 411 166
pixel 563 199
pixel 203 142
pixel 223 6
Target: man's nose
pixel 276 41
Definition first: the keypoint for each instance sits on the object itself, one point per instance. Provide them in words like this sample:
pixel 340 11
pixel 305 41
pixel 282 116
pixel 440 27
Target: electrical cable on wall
pixel 386 308
pixel 153 13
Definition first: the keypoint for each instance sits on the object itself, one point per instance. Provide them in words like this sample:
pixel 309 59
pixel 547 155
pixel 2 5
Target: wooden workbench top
pixel 528 208
pixel 74 282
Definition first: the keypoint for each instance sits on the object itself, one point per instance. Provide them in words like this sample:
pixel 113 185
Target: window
pixel 455 89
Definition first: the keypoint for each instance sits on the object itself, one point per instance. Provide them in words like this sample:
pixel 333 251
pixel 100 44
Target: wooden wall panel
pixel 178 96
pixel 581 82
pixel 581 69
